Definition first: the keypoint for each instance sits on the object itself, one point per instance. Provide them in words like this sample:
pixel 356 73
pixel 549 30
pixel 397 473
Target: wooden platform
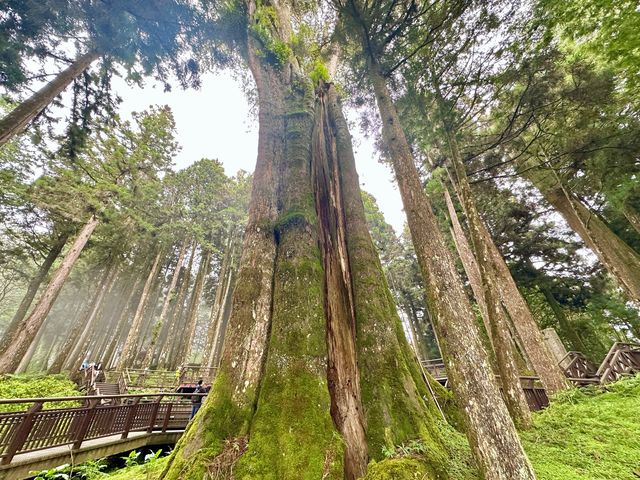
pixel 24 463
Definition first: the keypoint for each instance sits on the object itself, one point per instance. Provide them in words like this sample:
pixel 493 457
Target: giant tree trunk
pixel 18 119
pixel 621 261
pixel 128 355
pixel 32 289
pixel 490 430
pixel 563 322
pixel 10 357
pixel 632 215
pixel 292 318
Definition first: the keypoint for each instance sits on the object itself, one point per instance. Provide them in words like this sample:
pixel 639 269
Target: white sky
pixel 214 122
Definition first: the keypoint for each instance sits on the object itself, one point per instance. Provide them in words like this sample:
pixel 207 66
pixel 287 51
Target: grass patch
pixel 591 433
pixel 35 386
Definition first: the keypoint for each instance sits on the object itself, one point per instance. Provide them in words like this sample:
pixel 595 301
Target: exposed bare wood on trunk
pixel 10 357
pixel 491 432
pixel 127 355
pixel 165 304
pixel 342 367
pixel 18 119
pixel 184 353
pixel 32 289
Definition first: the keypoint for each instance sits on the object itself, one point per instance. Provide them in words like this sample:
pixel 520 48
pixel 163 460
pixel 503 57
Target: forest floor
pixel 591 433
pixel 36 386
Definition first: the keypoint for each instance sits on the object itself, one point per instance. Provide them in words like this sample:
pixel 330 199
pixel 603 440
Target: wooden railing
pixel 164 380
pixel 38 428
pixel 578 367
pixel 622 359
pixel 435 367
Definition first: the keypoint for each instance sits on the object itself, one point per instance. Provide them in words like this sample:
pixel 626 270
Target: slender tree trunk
pixel 80 349
pixel 122 324
pixel 10 357
pixel 18 119
pixel 165 305
pixel 28 356
pixel 32 289
pixel 218 299
pixel 468 262
pixel 184 353
pixel 490 430
pixel 127 356
pixel 620 260
pixel 77 325
pixel 221 309
pixel 500 336
pixel 178 317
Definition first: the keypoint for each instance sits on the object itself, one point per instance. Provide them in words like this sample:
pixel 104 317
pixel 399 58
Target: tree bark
pixel 18 119
pixel 10 357
pixel 632 215
pixel 503 345
pixel 621 261
pixel 127 356
pixel 491 432
pixel 32 289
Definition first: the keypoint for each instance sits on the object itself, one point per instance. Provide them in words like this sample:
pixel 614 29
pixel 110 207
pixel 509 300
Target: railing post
pixel 167 416
pixel 154 414
pixel 22 433
pixel 131 415
pixel 86 423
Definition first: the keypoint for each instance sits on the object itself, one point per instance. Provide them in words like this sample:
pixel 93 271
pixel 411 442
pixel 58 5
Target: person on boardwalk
pixel 196 400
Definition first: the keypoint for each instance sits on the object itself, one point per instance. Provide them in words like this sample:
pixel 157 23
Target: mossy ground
pixel 588 434
pixel 34 386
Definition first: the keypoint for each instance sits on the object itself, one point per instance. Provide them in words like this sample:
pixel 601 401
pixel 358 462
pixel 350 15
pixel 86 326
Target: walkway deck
pixel 24 463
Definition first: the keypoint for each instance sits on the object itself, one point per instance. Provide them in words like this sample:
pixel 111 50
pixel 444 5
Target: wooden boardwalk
pixel 99 426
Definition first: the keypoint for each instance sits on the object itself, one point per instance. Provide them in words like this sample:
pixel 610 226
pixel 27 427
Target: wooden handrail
pixel 7 401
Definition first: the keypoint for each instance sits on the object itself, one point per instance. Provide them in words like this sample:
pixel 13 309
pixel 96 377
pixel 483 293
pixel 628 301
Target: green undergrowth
pixel 591 433
pixel 149 471
pixel 35 386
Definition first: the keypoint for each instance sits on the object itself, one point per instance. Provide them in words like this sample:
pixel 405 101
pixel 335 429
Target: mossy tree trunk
pixel 503 344
pixel 15 349
pixel 490 430
pixel 316 375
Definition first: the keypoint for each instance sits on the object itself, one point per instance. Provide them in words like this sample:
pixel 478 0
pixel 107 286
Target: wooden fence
pixel 99 416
